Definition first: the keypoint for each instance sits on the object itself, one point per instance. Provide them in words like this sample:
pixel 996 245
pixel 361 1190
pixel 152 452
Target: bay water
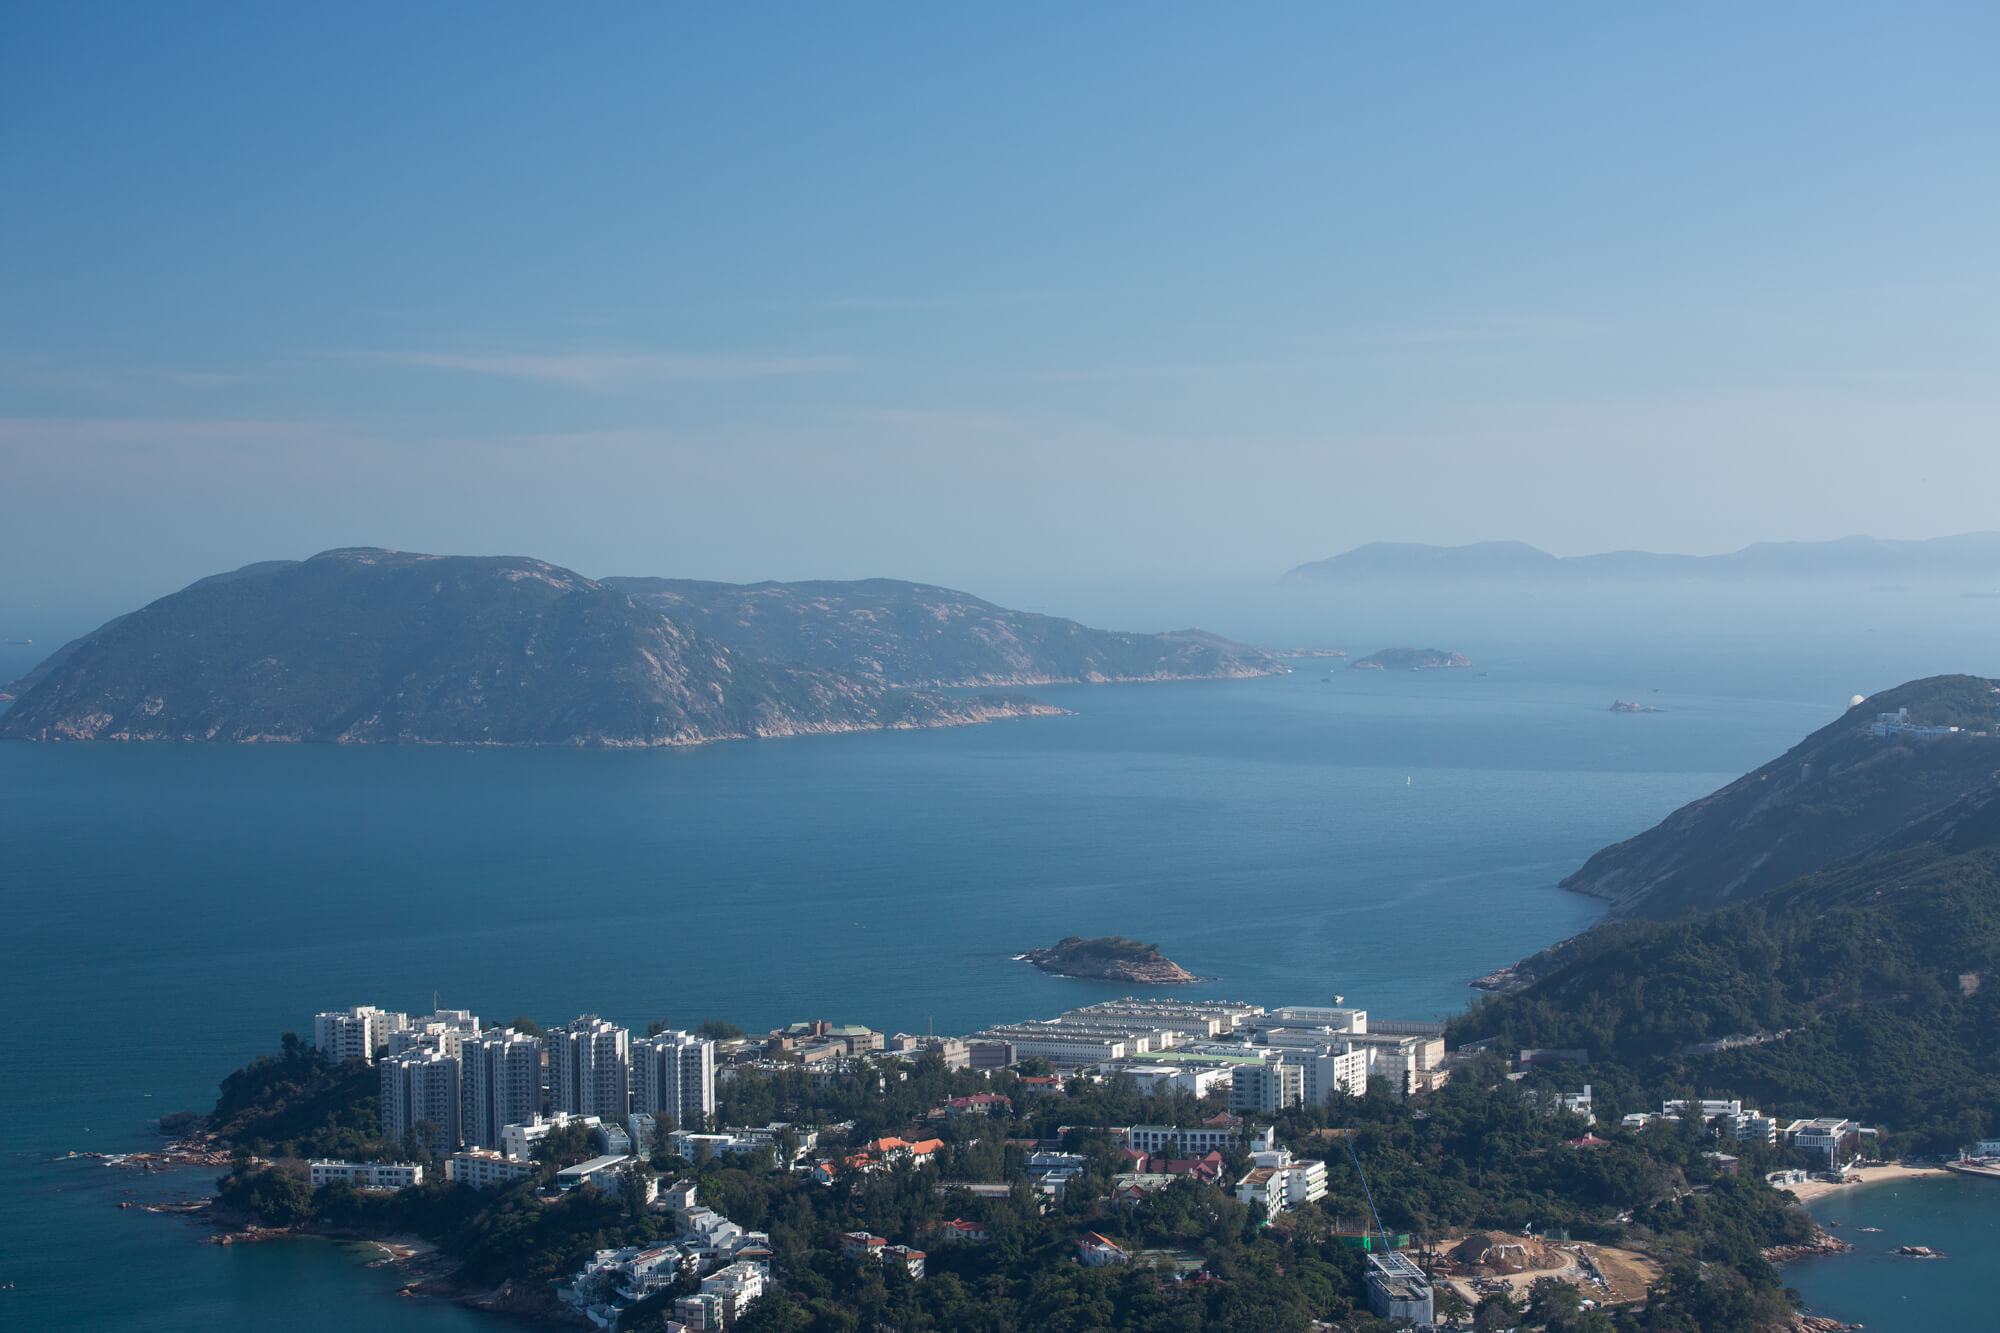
pixel 167 911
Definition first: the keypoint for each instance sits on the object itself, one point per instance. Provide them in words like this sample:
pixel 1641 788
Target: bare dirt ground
pixel 1603 1273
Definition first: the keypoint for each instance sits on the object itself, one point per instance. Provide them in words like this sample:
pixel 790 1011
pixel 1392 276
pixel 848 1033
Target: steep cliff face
pixel 370 646
pixel 920 635
pixel 1838 793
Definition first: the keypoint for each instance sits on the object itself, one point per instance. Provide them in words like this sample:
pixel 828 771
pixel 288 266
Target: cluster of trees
pixel 1877 975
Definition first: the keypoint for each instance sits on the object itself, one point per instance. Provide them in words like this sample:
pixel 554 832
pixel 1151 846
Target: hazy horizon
pixel 1081 312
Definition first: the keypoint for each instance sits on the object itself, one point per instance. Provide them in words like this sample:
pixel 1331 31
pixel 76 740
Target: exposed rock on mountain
pixel 382 646
pixel 920 635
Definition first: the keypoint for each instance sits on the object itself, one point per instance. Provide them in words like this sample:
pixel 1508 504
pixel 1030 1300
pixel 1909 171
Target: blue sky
pixel 1013 299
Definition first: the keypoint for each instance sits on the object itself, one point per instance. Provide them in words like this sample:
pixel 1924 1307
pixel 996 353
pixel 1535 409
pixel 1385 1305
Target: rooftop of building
pixel 594 1165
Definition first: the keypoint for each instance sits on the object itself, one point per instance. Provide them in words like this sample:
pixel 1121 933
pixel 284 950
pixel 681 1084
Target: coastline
pixel 1815 1190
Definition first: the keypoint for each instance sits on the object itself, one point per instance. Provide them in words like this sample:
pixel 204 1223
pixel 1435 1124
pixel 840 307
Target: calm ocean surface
pixel 166 912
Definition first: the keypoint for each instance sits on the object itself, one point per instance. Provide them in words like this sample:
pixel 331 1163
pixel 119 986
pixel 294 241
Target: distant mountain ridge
pixel 921 635
pixel 373 646
pixel 1971 555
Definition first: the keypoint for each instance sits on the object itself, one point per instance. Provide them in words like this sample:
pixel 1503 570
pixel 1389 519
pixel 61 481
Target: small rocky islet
pixel 1111 958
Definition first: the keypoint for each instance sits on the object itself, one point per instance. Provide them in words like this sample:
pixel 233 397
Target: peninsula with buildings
pixel 1563 1155
pixel 1234 1163
pixel 1112 958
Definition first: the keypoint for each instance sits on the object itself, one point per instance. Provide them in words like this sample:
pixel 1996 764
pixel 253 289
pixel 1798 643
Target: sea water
pixel 1886 1292
pixel 167 911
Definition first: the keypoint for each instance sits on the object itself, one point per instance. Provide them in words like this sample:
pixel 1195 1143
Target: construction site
pixel 1497 1261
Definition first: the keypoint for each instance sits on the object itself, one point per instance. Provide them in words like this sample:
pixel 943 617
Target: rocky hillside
pixel 381 646
pixel 1838 793
pixel 919 635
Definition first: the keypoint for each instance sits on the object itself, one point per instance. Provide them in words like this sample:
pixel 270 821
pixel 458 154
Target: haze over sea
pixel 168 911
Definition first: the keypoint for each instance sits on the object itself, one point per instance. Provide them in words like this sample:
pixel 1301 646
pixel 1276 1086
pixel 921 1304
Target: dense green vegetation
pixel 916 634
pixel 1879 975
pixel 383 646
pixel 1838 793
pixel 300 1104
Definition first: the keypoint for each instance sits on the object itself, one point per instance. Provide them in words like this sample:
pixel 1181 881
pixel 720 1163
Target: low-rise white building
pixel 1095 1251
pixel 367 1175
pixel 484 1169
pixel 1158 1080
pixel 1838 1140
pixel 1279 1182
pixel 1194 1140
pixel 603 1172
pixel 518 1141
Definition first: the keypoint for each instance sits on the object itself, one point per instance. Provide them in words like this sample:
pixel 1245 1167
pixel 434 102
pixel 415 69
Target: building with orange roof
pixel 1095 1251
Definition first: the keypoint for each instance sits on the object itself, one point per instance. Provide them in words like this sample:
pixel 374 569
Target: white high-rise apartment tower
pixel 421 1087
pixel 444 1030
pixel 501 1074
pixel 673 1074
pixel 356 1034
pixel 590 1069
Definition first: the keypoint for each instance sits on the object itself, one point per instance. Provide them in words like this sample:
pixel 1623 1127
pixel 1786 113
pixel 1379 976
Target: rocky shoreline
pixel 1821 1243
pixel 1112 958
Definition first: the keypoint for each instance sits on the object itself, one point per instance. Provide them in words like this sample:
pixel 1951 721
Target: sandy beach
pixel 1869 1175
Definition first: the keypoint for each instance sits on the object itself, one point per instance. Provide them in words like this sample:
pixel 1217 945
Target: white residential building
pixel 1279 1182
pixel 1269 1088
pixel 501 1074
pixel 420 1090
pixel 367 1175
pixel 483 1169
pixel 1410 1063
pixel 645 1133
pixel 357 1033
pixel 590 1068
pixel 614 1139
pixel 518 1141
pixel 678 1197
pixel 673 1076
pixel 1330 1071
pixel 724 1295
pixel 446 1030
